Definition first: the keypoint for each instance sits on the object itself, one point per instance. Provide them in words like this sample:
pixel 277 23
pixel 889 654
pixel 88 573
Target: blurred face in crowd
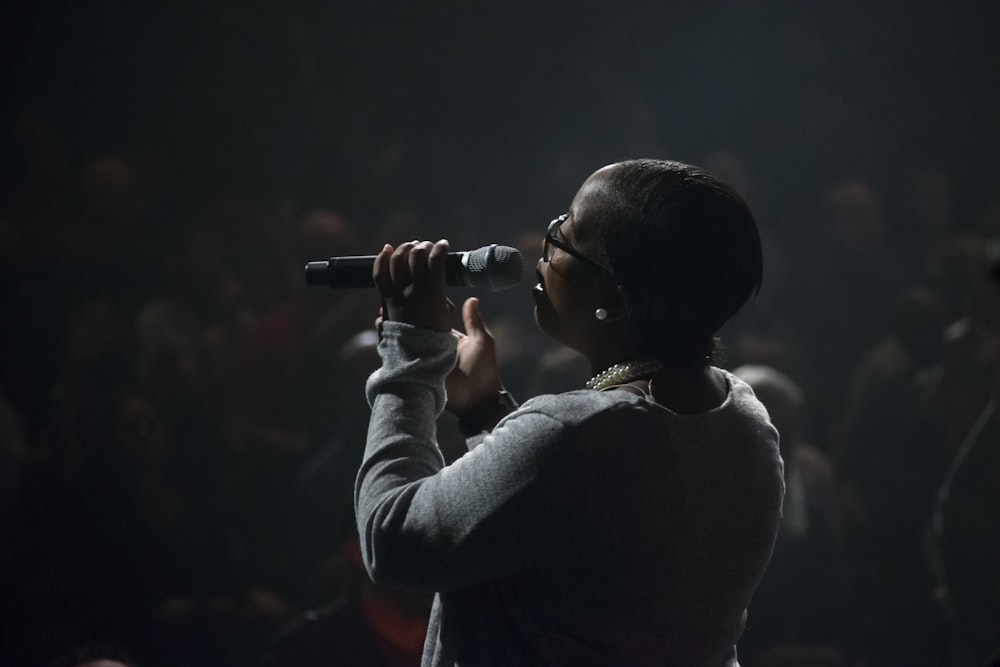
pixel 854 216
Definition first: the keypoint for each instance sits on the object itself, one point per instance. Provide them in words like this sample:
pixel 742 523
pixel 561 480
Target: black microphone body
pixel 495 266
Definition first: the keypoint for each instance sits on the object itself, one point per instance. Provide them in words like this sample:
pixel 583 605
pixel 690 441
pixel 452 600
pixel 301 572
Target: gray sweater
pixel 589 528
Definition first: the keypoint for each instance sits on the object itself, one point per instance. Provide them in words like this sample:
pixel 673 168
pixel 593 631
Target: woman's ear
pixel 618 304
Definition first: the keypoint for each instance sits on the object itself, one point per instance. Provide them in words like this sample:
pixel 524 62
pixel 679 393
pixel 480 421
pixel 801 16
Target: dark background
pixel 282 100
pixel 128 129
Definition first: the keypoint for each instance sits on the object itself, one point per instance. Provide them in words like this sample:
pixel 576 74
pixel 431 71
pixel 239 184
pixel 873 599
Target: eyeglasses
pixel 551 240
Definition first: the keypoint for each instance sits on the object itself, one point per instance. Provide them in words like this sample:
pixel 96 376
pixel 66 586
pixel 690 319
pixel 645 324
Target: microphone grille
pixel 498 267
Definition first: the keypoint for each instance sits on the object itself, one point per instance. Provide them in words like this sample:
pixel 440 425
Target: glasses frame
pixel 551 240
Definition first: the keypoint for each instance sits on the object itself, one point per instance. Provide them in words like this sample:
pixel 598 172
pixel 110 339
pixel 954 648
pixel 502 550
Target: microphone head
pixel 498 267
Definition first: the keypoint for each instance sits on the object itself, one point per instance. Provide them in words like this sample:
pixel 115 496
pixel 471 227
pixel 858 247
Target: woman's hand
pixel 411 280
pixel 476 377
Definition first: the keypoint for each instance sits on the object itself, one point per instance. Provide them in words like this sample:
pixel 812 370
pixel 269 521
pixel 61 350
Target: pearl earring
pixel 601 314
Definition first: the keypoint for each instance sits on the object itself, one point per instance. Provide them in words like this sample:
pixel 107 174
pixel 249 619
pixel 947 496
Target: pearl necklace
pixel 624 373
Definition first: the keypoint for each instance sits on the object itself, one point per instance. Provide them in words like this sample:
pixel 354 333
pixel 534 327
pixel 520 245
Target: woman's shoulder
pixel 741 396
pixel 578 398
pixel 545 422
pixel 578 406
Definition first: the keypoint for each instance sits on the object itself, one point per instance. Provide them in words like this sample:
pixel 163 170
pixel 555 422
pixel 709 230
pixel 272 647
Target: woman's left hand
pixel 411 280
pixel 476 376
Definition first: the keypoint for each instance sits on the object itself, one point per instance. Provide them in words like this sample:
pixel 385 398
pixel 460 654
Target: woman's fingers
pixel 381 275
pixel 399 267
pixel 472 318
pixel 411 279
pixel 437 261
pixel 417 262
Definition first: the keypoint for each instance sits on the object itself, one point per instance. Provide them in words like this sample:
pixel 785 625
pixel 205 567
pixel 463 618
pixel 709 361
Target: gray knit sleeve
pixel 423 525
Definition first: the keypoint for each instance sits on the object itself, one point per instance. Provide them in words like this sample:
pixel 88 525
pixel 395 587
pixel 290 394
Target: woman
pixel 627 523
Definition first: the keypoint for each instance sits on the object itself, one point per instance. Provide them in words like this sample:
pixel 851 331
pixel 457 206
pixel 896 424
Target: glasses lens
pixel 547 246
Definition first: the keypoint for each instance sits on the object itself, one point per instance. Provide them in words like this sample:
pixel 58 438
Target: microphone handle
pixel 355 271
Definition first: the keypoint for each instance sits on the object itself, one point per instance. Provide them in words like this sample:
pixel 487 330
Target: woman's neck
pixel 689 390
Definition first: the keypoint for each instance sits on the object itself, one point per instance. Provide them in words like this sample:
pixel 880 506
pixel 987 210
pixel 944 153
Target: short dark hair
pixel 686 247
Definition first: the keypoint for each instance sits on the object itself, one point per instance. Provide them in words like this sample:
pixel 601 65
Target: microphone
pixel 495 266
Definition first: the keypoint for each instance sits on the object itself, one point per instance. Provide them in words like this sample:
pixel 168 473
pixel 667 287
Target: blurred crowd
pixel 181 417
